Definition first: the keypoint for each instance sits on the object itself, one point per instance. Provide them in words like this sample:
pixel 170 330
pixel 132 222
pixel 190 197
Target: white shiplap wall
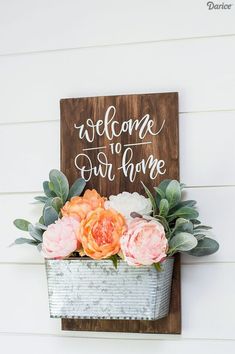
pixel 70 48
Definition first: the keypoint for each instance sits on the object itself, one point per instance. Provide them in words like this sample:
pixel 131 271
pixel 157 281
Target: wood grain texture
pixel 163 109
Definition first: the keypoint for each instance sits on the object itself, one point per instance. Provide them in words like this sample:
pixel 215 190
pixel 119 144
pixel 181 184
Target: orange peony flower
pixel 100 233
pixel 79 207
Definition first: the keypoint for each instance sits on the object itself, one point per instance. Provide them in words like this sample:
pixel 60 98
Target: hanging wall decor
pixel 115 143
pixel 114 220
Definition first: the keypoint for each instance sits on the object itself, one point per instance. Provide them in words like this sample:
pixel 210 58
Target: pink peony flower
pixel 59 240
pixel 144 242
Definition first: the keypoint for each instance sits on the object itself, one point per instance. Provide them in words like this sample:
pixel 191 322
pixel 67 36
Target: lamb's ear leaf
pixel 188 213
pixel 163 207
pixel 41 199
pixel 77 188
pixel 57 204
pixel 22 240
pixel 159 195
pixel 35 233
pixel 182 242
pixel 60 184
pixel 150 196
pixel 50 215
pixel 163 184
pixel 41 220
pixel 48 192
pixel 21 224
pixel 205 247
pixel 43 227
pixel 173 193
pixel 183 225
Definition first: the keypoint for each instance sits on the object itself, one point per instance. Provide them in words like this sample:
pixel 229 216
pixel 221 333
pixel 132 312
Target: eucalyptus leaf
pixel 173 193
pixel 163 207
pixel 50 215
pixel 205 247
pixel 35 233
pixel 182 242
pixel 21 224
pixel 60 184
pixel 49 193
pixel 77 188
pixel 149 194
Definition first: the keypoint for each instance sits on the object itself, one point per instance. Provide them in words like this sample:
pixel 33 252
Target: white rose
pixel 127 203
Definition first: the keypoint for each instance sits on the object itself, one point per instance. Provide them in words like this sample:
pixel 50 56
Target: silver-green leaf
pixel 181 242
pixel 173 193
pixel 48 192
pixel 21 224
pixel 22 240
pixel 60 184
pixel 35 233
pixel 149 194
pixel 163 207
pixel 77 188
pixel 205 247
pixel 50 215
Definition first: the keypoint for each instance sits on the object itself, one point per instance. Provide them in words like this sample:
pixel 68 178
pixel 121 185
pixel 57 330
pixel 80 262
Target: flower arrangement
pixel 140 230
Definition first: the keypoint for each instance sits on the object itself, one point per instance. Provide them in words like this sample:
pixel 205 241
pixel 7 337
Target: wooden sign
pixel 114 143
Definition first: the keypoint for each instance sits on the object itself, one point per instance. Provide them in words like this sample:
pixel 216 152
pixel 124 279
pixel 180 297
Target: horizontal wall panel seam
pixel 114 45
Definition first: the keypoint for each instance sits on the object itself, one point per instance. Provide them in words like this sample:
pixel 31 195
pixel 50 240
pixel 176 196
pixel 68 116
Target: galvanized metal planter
pixel 85 288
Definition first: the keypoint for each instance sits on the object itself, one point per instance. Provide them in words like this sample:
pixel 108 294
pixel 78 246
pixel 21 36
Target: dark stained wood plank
pixel 161 140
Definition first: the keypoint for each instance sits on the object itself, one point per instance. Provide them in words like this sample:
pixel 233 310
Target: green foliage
pixel 22 240
pixel 205 247
pixel 57 193
pixel 41 198
pixel 153 202
pixel 35 232
pixel 50 215
pixel 48 192
pixel 179 217
pixel 59 184
pixel 21 224
pixel 77 188
pixel 181 242
pixel 40 226
pixel 57 204
pixel 157 266
pixel 114 259
pixel 164 207
pixel 173 193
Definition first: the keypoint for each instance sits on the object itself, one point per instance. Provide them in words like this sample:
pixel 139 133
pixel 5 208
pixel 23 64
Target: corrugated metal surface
pixel 85 288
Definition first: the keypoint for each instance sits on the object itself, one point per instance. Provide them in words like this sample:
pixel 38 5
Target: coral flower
pixel 79 207
pixel 100 233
